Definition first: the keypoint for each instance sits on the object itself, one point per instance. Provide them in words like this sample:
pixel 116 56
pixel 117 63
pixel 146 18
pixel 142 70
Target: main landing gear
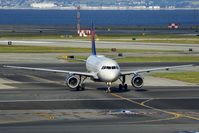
pixel 123 85
pixel 81 85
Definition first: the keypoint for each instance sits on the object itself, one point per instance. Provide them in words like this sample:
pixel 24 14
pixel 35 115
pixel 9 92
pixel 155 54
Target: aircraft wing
pixel 153 69
pixel 53 70
pixel 77 59
pixel 71 58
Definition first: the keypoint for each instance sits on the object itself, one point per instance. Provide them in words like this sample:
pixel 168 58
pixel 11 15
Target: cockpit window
pixel 113 67
pixel 110 67
pixel 103 67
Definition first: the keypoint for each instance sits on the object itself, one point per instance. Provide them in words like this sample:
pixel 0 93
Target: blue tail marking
pixel 93 40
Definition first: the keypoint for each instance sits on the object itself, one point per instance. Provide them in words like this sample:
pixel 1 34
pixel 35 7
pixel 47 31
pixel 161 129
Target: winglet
pixel 93 39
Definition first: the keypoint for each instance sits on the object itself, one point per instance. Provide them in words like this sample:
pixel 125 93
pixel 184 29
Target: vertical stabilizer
pixel 93 40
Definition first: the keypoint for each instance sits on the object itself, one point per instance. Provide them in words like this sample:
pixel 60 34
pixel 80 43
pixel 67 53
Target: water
pixel 100 17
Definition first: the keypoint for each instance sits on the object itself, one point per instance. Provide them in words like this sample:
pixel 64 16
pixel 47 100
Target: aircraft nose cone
pixel 109 76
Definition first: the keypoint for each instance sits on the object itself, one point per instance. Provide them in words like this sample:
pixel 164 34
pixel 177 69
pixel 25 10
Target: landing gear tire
pixel 82 87
pixel 78 88
pixel 121 87
pixel 125 87
pixel 108 90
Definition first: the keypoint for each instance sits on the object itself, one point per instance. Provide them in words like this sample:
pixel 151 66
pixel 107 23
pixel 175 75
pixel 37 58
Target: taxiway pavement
pixel 32 101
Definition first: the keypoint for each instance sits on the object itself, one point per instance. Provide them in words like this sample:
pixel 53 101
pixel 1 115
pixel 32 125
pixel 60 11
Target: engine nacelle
pixel 137 81
pixel 72 81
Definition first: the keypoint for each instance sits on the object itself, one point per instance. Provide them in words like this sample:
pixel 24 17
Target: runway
pixel 101 44
pixel 33 102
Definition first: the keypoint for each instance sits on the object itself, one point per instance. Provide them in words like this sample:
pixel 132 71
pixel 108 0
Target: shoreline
pixel 99 8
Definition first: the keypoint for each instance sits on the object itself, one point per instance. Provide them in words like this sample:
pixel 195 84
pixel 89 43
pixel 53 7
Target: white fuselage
pixel 106 69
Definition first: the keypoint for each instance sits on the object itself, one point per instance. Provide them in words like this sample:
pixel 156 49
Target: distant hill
pixel 98 3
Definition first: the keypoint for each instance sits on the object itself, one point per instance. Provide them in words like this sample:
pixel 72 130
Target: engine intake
pixel 72 82
pixel 137 81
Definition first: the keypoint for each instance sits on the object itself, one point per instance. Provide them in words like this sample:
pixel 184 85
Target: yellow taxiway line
pixel 175 115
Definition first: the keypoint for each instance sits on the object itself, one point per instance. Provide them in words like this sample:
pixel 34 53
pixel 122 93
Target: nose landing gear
pixel 109 87
pixel 122 86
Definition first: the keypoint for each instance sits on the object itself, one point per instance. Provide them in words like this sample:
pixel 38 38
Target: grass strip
pixel 108 36
pixel 191 77
pixel 156 38
pixel 161 59
pixel 49 49
pixel 171 41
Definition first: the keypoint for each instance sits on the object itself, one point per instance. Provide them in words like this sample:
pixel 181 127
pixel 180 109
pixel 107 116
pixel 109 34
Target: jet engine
pixel 137 81
pixel 72 81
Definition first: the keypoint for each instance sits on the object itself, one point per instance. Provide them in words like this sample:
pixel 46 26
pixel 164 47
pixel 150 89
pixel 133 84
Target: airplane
pixel 101 69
